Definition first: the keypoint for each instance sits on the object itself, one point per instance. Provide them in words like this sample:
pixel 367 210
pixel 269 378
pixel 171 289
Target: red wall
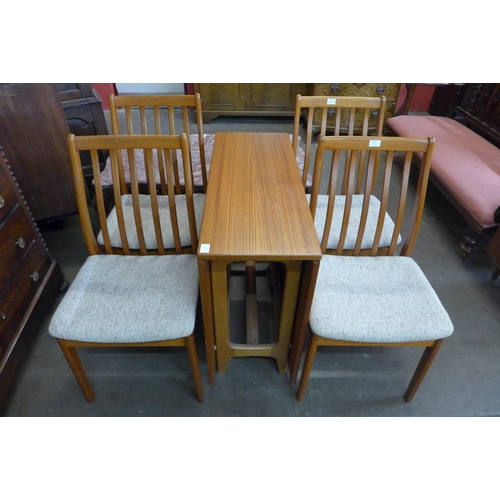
pixel 104 90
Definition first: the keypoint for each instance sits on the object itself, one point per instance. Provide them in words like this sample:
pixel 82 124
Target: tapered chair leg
pixel 195 366
pixel 308 363
pixel 422 369
pixel 78 371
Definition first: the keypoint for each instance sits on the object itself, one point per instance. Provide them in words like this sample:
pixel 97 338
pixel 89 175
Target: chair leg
pixel 195 366
pixel 77 368
pixel 308 363
pixel 422 369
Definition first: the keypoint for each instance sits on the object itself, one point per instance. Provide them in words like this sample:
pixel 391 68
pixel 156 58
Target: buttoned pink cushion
pixel 467 164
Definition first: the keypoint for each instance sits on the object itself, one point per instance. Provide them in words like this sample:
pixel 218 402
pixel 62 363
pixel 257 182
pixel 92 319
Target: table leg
pixel 208 315
pixel 288 308
pixel 220 290
pixel 307 285
pixel 252 319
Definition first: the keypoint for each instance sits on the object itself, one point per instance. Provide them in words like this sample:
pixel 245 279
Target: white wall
pixel 150 88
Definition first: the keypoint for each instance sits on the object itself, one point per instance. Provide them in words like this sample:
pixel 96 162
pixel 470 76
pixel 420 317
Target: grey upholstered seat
pixel 354 221
pixel 376 299
pixel 147 221
pixel 126 299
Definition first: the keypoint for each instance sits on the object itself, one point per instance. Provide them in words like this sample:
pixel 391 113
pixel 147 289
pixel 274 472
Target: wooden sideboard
pixel 29 279
pixel 389 90
pixel 247 99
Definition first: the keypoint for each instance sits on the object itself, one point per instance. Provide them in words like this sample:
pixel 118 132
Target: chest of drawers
pixel 29 279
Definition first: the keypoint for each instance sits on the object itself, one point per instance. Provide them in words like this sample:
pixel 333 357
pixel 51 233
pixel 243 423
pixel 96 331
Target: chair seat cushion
pixel 376 299
pixel 120 299
pixel 148 224
pixel 354 221
pixel 464 162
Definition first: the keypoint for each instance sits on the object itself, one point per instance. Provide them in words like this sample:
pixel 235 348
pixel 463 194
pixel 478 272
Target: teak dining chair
pixel 124 297
pixel 373 300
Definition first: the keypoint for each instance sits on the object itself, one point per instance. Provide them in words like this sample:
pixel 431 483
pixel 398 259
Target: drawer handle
pixel 2 202
pixel 35 276
pixel 381 89
pixel 2 316
pixel 335 87
pixel 21 243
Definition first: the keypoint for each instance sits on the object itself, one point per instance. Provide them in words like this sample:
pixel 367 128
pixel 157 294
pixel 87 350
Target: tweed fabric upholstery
pixel 354 221
pixel 147 221
pixel 121 299
pixel 376 299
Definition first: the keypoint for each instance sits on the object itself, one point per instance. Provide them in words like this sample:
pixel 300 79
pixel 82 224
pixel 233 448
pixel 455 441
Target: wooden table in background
pixel 256 210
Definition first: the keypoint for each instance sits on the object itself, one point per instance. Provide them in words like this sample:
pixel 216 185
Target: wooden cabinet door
pixel 271 97
pixel 222 96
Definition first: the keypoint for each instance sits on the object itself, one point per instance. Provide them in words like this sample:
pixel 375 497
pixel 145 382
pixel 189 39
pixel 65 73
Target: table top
pixel 255 206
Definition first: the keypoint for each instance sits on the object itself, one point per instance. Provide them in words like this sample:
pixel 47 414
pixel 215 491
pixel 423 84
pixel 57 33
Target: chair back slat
pixel 366 198
pixel 201 139
pixel 130 126
pixel 387 164
pixel 189 190
pixel 142 222
pixel 171 202
pixel 100 195
pixel 342 115
pixel 402 200
pixel 153 198
pixel 144 124
pixel 134 182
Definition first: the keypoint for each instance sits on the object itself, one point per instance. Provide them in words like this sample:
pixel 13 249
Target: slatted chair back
pixel 385 164
pixel 136 214
pixel 354 115
pixel 162 115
